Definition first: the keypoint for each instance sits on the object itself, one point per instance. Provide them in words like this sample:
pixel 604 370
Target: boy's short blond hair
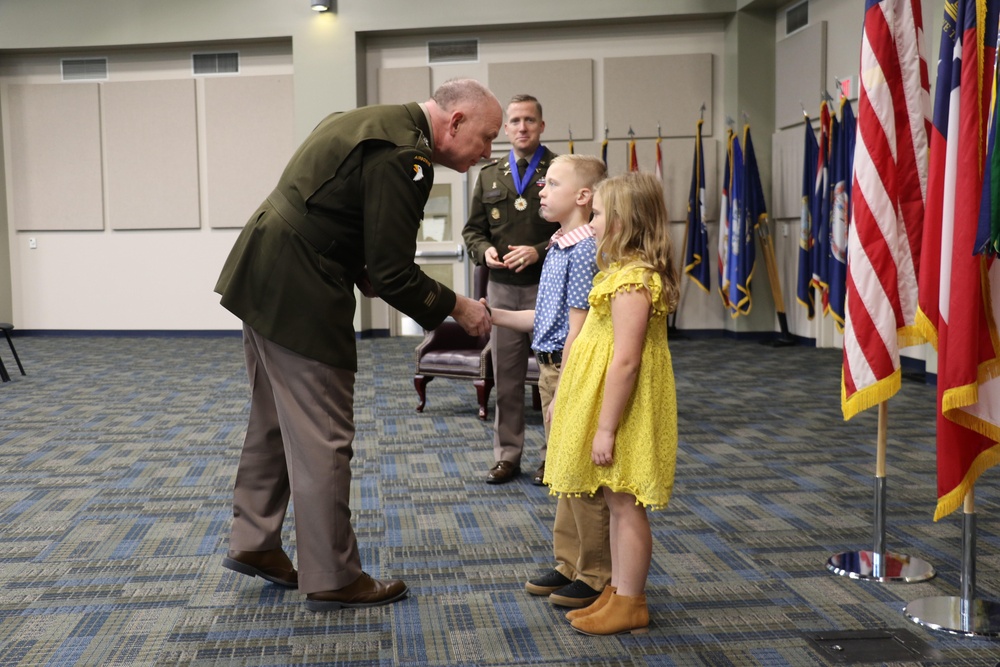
pixel 590 169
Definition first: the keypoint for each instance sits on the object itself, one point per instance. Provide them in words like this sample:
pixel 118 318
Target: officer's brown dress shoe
pixel 273 565
pixel 502 472
pixel 539 478
pixel 364 592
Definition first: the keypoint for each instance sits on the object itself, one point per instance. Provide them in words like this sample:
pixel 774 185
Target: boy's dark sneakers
pixel 576 595
pixel 547 583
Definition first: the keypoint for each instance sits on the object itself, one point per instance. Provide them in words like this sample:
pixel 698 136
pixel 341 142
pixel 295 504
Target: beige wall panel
pixel 800 74
pixel 400 85
pixel 678 160
pixel 564 87
pixel 641 92
pixel 55 143
pixel 250 135
pixel 151 154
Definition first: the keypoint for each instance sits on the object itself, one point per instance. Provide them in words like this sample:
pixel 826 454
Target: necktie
pixel 522 166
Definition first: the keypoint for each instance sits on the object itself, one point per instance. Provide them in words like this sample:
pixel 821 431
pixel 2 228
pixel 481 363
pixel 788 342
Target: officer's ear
pixel 457 118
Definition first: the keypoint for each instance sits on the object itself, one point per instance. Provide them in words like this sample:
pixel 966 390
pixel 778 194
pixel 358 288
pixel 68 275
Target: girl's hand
pixel 602 449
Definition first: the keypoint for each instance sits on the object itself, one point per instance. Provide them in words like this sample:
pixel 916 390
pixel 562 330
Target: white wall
pixel 329 74
pixel 138 279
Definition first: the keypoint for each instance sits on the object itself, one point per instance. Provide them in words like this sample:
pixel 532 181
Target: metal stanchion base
pixel 896 567
pixel 972 618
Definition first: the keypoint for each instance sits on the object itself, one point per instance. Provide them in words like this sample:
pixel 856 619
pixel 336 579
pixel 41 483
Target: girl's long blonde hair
pixel 637 228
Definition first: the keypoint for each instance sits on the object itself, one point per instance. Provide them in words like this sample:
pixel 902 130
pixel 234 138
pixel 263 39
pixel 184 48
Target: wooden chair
pixel 451 353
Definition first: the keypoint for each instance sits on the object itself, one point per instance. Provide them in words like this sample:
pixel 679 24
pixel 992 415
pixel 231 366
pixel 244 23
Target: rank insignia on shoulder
pixel 418 172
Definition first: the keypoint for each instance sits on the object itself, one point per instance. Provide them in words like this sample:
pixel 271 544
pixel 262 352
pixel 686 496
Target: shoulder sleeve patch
pixel 416 165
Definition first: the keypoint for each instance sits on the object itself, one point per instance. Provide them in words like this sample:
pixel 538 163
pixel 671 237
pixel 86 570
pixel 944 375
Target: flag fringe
pixel 810 306
pixel 745 299
pixel 698 283
pixel 870 396
pixel 952 500
pixel 909 336
pixel 691 267
pixel 927 329
pixel 838 321
pixel 985 428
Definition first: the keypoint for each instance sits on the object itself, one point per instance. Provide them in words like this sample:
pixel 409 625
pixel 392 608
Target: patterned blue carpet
pixel 118 454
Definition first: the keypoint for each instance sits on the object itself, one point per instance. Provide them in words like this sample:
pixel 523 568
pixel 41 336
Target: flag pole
pixel 784 339
pixel 672 323
pixel 878 564
pixel 960 615
pixel 672 330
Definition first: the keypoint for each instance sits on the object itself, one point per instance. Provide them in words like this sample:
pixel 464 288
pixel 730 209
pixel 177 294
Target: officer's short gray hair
pixel 456 91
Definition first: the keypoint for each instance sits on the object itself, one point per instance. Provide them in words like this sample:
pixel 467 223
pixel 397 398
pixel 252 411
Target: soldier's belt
pixel 317 234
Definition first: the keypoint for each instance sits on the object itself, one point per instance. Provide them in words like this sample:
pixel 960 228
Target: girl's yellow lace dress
pixel 645 451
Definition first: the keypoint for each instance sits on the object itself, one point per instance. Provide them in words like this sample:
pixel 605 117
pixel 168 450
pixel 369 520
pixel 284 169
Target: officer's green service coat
pixel 494 221
pixel 352 196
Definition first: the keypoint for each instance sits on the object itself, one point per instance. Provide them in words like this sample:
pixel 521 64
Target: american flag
pixel 890 182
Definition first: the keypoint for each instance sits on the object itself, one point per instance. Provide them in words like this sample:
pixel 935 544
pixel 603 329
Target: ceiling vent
pixel 796 17
pixel 453 51
pixel 215 63
pixel 85 69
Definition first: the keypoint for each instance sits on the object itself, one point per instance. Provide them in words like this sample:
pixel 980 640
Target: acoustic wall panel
pixel 678 160
pixel 643 91
pixel 399 85
pixel 151 154
pixel 250 135
pixel 565 89
pixel 678 156
pixel 55 148
pixel 800 75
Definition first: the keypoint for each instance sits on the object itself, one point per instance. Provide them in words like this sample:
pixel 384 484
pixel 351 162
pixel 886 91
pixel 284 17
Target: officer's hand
pixel 492 259
pixel 365 285
pixel 471 316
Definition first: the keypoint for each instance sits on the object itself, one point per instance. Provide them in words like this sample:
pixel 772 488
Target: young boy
pixel 580 534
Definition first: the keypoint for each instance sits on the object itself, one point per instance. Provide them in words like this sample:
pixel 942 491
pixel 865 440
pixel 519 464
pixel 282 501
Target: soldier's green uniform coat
pixel 351 196
pixel 494 222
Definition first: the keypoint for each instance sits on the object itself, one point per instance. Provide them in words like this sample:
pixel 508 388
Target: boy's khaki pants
pixel 581 534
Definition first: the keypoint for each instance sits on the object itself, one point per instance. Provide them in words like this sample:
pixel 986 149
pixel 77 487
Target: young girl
pixel 615 425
